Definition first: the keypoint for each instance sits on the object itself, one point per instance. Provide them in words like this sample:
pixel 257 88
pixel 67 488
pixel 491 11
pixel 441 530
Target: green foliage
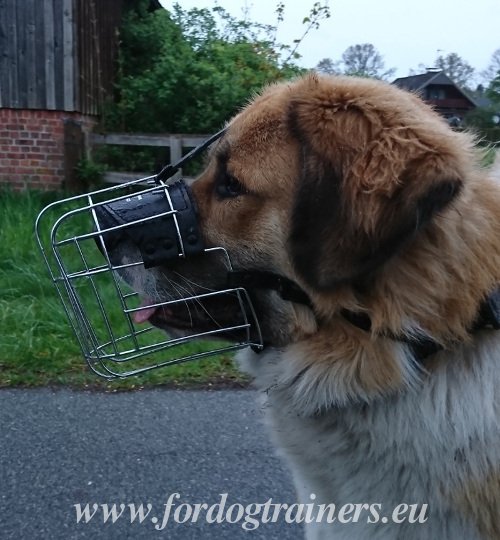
pixel 481 121
pixel 493 91
pixel 317 14
pixel 485 121
pixel 493 69
pixel 190 71
pixel 142 159
pixel 151 70
pixel 90 173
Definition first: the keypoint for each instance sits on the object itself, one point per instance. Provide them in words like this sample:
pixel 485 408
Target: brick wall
pixel 32 147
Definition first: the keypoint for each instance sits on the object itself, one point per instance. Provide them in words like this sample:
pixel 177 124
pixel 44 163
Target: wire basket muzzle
pixel 82 239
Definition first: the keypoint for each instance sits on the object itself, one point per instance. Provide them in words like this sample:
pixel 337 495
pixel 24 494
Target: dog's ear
pixel 365 191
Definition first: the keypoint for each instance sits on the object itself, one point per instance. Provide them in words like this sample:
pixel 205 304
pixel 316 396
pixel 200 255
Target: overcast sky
pixel 406 33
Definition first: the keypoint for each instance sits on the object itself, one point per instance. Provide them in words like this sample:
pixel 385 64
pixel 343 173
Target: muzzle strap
pixel 169 170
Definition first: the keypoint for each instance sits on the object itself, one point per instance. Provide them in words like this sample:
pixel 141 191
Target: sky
pixel 406 33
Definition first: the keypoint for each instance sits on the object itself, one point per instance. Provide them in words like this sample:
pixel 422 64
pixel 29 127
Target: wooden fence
pixel 175 142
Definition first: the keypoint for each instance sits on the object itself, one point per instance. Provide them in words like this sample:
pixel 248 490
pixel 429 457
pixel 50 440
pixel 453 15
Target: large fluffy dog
pixel 384 388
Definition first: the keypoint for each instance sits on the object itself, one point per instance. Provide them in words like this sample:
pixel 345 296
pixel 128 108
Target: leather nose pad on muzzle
pixel 162 224
pixel 107 242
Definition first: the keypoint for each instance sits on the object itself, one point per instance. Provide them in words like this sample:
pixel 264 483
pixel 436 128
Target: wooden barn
pixel 57 61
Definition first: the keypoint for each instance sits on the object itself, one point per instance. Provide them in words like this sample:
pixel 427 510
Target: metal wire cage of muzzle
pixel 100 304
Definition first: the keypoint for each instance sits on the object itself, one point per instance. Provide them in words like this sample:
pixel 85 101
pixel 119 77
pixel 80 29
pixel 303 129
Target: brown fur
pixel 390 148
pixel 362 195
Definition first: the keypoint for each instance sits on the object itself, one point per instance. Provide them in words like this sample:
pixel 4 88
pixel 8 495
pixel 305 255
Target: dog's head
pixel 323 181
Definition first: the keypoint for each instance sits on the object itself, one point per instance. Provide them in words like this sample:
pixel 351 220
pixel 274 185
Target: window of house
pixel 435 92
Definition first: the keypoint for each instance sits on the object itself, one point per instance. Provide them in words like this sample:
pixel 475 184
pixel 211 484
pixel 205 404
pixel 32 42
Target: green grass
pixel 489 155
pixel 36 342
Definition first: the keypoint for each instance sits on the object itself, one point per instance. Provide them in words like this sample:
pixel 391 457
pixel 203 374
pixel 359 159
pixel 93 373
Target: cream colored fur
pixel 416 446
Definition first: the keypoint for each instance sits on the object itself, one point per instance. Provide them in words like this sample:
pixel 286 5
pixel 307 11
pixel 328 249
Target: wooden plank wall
pixel 98 41
pixel 58 54
pixel 36 36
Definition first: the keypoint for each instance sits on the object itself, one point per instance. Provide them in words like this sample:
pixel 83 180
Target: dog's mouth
pixel 219 316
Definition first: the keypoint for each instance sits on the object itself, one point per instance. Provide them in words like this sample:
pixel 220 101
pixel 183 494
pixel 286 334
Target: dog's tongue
pixel 142 315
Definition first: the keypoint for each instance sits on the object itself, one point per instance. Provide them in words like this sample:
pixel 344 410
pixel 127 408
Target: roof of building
pixel 416 83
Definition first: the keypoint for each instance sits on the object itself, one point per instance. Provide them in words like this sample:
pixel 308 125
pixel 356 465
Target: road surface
pixel 61 448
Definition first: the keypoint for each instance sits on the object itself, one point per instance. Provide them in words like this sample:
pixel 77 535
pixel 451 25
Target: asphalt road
pixel 60 448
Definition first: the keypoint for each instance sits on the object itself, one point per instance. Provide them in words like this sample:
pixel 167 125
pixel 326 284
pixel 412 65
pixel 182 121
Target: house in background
pixel 437 89
pixel 57 63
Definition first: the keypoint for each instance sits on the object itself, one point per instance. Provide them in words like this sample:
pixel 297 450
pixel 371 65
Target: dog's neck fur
pixel 436 444
pixel 395 431
pixel 418 293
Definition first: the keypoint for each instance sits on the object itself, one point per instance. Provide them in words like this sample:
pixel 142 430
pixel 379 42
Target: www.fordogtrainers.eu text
pixel 249 516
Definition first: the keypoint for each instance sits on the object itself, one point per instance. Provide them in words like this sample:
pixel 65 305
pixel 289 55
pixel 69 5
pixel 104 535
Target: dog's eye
pixel 229 187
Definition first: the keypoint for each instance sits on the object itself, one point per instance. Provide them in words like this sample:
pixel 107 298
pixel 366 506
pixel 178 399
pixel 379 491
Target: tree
pixel 317 13
pixel 493 91
pixel 493 69
pixel 327 66
pixel 188 71
pixel 457 69
pixel 362 60
pixel 485 121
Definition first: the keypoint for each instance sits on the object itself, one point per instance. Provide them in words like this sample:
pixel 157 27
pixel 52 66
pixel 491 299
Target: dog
pixel 380 381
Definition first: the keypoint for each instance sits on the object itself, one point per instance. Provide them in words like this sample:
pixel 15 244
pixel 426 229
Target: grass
pixel 36 342
pixel 489 155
